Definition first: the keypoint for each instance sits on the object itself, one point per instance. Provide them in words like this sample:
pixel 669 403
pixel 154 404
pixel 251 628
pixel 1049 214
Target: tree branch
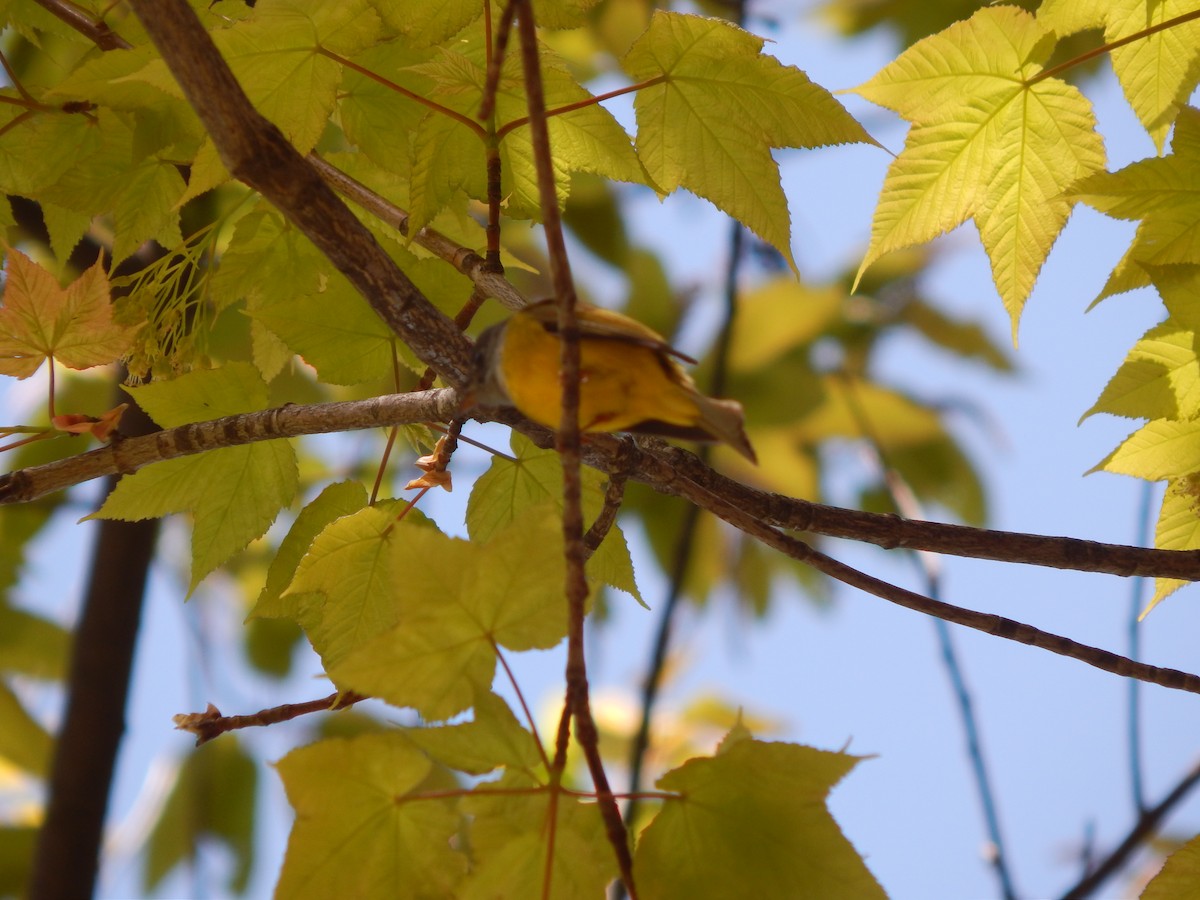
pixel 256 153
pixel 97 31
pixel 1142 829
pixel 128 454
pixel 211 724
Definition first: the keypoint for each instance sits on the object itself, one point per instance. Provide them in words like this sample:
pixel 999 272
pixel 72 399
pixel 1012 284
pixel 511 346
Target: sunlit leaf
pixel 751 821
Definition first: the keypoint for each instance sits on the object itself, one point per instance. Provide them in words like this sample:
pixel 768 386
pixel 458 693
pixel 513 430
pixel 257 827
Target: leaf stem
pixel 1108 48
pixel 509 127
pixel 405 92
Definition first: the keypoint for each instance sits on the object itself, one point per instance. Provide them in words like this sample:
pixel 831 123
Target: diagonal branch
pixel 256 153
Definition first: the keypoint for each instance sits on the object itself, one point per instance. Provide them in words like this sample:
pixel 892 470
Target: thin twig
pixel 98 32
pixel 1145 826
pixel 577 701
pixel 685 543
pixel 488 281
pixel 1110 47
pixel 211 724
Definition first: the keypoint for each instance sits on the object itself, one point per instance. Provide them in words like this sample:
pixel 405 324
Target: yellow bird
pixel 629 379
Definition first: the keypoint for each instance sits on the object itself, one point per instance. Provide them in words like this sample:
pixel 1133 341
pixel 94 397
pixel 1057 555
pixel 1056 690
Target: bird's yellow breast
pixel 621 383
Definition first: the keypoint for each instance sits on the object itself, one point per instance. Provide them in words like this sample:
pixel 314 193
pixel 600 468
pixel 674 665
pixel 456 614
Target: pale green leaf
pixel 268 261
pixel 147 208
pixel 1067 17
pixel 425 23
pixel 349 565
pixel 510 487
pixel 376 117
pixel 752 822
pixel 336 332
pixel 343 498
pixel 515 590
pixel 276 56
pixel 509 845
pixel 361 830
pixel 40 149
pixel 66 228
pixel 493 739
pixel 454 601
pixel 986 143
pixel 709 125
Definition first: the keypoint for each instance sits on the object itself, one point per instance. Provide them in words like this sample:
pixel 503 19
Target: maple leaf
pixel 718 108
pixel 988 141
pixel 41 320
pixel 356 833
pixel 751 821
pixel 1165 194
pixel 1156 71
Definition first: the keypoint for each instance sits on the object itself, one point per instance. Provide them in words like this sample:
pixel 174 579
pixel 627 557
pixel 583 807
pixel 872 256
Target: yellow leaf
pixel 988 142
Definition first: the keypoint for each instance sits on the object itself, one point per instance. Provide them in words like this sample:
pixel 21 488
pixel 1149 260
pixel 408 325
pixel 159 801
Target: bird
pixel 630 378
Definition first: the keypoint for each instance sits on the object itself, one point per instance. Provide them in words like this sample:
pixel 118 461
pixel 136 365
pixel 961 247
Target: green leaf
pixel 23 742
pixel 377 118
pixel 212 799
pixel 39 150
pixel 510 487
pixel 494 739
pixel 342 498
pixel 276 57
pixel 1159 379
pixel 425 23
pixel 509 844
pixel 147 208
pixel 31 645
pixel 336 332
pixel 455 601
pixel 751 822
pixel 268 261
pixel 349 567
pixel 1158 450
pixel 1165 194
pixel 362 830
pixel 718 108
pixel 986 143
pixel 234 493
